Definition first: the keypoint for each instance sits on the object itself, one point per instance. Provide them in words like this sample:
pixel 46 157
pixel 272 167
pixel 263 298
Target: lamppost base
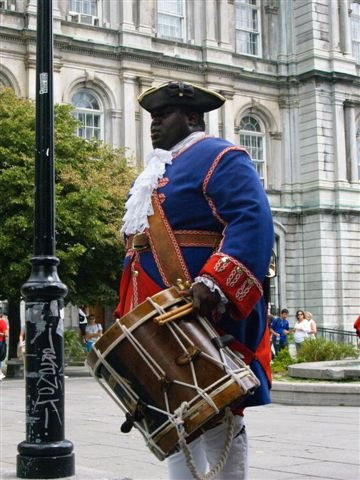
pixel 45 467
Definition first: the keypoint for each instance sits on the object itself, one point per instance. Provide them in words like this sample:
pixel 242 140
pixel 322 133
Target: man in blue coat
pixel 205 188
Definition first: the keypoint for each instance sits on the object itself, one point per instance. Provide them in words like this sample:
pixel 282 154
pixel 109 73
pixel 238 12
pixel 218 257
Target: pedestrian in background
pixel 312 323
pixel 301 330
pixel 82 323
pixel 357 329
pixel 279 329
pixel 4 333
pixel 93 332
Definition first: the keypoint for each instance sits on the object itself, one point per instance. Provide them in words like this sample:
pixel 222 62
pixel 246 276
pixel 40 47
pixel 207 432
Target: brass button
pixel 224 259
pixel 136 273
pixel 239 270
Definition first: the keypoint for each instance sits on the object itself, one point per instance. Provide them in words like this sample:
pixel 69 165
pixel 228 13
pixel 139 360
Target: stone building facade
pixel 290 72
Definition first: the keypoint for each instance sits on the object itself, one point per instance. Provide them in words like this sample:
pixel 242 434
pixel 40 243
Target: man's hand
pixel 204 300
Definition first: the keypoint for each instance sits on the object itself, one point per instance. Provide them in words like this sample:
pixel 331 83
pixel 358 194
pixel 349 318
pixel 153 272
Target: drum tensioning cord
pixel 179 423
pixel 229 418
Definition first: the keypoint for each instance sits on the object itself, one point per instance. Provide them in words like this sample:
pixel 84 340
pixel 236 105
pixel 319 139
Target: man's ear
pixel 193 119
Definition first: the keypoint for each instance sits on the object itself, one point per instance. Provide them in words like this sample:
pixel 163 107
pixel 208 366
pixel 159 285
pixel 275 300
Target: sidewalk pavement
pixel 286 442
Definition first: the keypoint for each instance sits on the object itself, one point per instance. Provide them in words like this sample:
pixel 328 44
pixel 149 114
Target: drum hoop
pixel 194 404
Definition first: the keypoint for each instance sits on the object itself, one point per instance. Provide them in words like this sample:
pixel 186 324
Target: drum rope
pixel 157 307
pixel 210 331
pixel 215 469
pixel 143 353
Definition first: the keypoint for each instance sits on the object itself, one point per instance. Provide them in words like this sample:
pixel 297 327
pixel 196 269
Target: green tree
pixel 92 181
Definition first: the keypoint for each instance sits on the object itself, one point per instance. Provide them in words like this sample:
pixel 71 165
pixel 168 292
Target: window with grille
pixel 88 112
pixel 170 19
pixel 252 137
pixel 247 27
pixel 355 28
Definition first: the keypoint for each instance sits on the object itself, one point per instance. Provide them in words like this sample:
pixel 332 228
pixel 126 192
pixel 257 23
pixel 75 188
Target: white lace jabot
pixel 138 206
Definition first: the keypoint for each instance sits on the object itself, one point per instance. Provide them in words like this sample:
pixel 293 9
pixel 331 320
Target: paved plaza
pixel 286 442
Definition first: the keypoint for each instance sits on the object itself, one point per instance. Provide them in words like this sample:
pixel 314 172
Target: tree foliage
pixel 92 181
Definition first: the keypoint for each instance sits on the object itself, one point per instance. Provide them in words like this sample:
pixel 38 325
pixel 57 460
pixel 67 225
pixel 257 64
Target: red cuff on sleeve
pixel 237 282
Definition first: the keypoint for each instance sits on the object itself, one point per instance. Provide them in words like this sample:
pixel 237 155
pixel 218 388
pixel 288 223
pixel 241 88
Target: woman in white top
pixel 312 324
pixel 301 329
pixel 93 332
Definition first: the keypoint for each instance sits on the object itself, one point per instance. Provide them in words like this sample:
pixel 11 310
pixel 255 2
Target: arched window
pixel 89 113
pixel 252 137
pixel 4 82
pixel 355 28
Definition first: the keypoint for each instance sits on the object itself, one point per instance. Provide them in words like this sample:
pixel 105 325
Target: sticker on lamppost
pixel 43 83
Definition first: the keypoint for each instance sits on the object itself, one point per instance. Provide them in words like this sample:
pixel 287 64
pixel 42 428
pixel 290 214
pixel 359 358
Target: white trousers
pixel 207 449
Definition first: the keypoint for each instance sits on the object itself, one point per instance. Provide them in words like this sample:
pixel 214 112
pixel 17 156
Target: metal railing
pixel 338 336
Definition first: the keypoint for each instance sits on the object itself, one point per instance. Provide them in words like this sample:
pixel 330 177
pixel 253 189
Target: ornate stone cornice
pixel 116 113
pixel 288 101
pixel 145 81
pixel 332 77
pixel 275 135
pixel 228 94
pixel 156 59
pixel 350 103
pixel 271 9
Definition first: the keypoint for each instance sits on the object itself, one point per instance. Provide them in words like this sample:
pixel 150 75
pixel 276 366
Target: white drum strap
pixel 229 418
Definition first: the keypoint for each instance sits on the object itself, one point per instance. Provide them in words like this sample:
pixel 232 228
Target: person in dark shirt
pixel 279 328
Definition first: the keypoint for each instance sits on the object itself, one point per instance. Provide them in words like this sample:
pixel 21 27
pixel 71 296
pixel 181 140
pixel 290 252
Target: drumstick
pixel 173 314
pixel 166 315
pixel 174 317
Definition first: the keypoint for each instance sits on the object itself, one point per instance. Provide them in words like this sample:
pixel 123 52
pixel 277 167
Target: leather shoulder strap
pixel 164 246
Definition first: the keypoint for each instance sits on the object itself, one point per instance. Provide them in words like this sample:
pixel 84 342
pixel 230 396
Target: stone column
pixel 127 15
pixel 224 23
pixel 350 134
pixel 339 138
pixel 345 28
pixel 128 123
pixel 273 160
pixel 213 123
pixel 30 66
pixel 145 20
pixel 30 13
pixel 286 170
pixel 210 34
pixel 116 116
pixel 57 78
pixel 56 17
pixel 286 40
pixel 145 121
pixel 270 45
pixel 334 25
pixel 228 115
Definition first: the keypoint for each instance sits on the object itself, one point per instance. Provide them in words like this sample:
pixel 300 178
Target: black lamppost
pixel 45 453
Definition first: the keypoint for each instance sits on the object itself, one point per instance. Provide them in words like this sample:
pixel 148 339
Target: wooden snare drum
pixel 158 372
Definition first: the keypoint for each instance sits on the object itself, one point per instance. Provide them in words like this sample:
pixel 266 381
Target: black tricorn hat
pixel 180 94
